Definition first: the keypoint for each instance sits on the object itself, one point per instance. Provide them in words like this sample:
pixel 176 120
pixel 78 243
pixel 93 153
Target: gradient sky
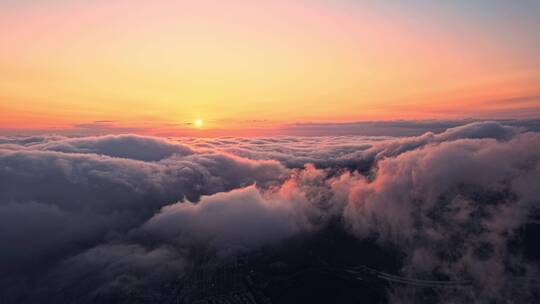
pixel 156 66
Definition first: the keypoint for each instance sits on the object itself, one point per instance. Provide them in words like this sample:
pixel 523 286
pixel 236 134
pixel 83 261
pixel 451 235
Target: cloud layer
pixel 126 213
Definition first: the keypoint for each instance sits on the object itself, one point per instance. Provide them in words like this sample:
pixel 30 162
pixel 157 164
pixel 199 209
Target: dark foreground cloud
pixel 101 219
pixel 52 203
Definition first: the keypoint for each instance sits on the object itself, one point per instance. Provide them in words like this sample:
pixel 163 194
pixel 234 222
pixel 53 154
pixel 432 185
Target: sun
pixel 198 123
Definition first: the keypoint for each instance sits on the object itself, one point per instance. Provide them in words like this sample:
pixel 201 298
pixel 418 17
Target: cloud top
pixel 127 214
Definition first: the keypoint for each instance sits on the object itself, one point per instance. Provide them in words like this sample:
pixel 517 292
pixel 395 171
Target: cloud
pixel 111 273
pixel 398 127
pixel 234 220
pixel 247 218
pixel 78 200
pixel 104 218
pixel 136 147
pixel 344 152
pixel 453 208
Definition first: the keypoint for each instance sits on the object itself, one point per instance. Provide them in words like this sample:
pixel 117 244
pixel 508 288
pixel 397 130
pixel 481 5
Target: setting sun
pixel 198 123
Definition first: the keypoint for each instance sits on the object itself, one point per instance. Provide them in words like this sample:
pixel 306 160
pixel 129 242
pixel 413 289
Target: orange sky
pixel 156 66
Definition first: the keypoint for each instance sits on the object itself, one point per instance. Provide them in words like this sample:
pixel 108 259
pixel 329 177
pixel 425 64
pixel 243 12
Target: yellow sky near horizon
pixel 160 64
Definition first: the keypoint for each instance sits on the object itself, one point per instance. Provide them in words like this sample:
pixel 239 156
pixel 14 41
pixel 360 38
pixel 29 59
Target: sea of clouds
pixel 96 217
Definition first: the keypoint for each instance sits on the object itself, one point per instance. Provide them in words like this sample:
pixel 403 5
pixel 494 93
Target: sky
pixel 246 67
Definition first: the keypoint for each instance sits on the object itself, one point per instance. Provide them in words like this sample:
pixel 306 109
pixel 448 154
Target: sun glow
pixel 198 123
pixel 242 65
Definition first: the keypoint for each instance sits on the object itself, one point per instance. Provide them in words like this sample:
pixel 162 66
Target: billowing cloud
pixel 76 200
pixel 129 213
pixel 237 219
pixel 124 146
